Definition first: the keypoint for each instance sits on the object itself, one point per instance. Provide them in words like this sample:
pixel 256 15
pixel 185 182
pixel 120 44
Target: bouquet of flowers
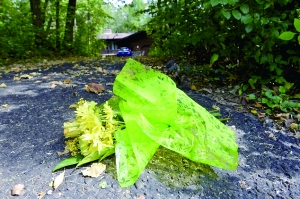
pixel 147 111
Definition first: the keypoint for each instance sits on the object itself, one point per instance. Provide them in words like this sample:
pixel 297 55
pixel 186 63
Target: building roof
pixel 107 35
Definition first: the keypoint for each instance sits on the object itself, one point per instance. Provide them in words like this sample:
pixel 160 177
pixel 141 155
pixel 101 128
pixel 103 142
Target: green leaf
pixel 287 35
pixel 252 96
pixel 267 5
pixel 109 152
pixel 279 71
pixel 244 8
pixel 282 89
pixel 223 2
pixel 268 111
pixel 273 66
pixel 226 14
pixel 206 4
pixel 231 2
pixel 256 17
pixel 268 93
pixel 89 158
pixel 236 14
pixel 263 59
pixel 214 2
pixel 260 1
pixel 68 162
pixel 214 58
pixel 270 58
pixel 264 100
pixel 247 19
pixel 264 21
pixel 249 27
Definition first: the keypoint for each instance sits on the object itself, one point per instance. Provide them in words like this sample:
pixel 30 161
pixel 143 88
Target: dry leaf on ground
pixel 94 88
pixel 25 76
pixel 297 135
pixel 16 78
pixel 17 189
pixel 115 72
pixel 42 194
pixel 2 85
pixel 66 151
pixel 67 81
pixel 58 180
pixel 193 87
pixel 95 170
pixel 4 105
pixel 57 82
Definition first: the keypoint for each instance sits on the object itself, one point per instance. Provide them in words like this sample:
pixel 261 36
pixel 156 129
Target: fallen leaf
pixel 66 151
pixel 243 184
pixel 297 135
pixel 17 189
pixel 254 111
pixel 294 126
pixel 25 76
pixel 215 107
pixel 103 184
pixel 258 105
pixel 259 114
pixel 140 197
pixel 193 87
pixel 94 88
pixel 16 78
pixel 99 69
pixel 115 72
pixel 57 82
pixel 67 81
pixel 95 170
pixel 58 180
pixel 42 194
pixel 2 85
pixel 5 105
pixel 35 74
pixel 207 90
pixel 283 115
pixel 73 106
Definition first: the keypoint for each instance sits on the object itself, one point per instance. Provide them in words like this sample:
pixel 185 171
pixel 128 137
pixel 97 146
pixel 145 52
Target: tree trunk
pixel 70 24
pixel 57 8
pixel 37 21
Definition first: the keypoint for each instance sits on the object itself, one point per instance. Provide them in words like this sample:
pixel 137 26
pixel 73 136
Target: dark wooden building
pixel 138 42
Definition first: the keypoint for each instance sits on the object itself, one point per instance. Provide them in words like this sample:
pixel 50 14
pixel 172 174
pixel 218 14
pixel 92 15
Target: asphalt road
pixel 32 112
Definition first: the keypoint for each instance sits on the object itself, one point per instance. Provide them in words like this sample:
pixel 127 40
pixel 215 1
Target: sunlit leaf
pixel 2 85
pixel 68 162
pixel 214 58
pixel 287 35
pixel 297 24
pixel 95 170
pixel 58 180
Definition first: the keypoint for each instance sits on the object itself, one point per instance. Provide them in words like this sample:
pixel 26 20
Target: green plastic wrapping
pixel 157 113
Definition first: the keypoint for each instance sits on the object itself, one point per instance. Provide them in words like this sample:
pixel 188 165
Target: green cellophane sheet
pixel 157 113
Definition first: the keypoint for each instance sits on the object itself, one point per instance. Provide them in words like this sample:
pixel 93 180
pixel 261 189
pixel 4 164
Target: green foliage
pixel 244 35
pixel 288 35
pixel 278 100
